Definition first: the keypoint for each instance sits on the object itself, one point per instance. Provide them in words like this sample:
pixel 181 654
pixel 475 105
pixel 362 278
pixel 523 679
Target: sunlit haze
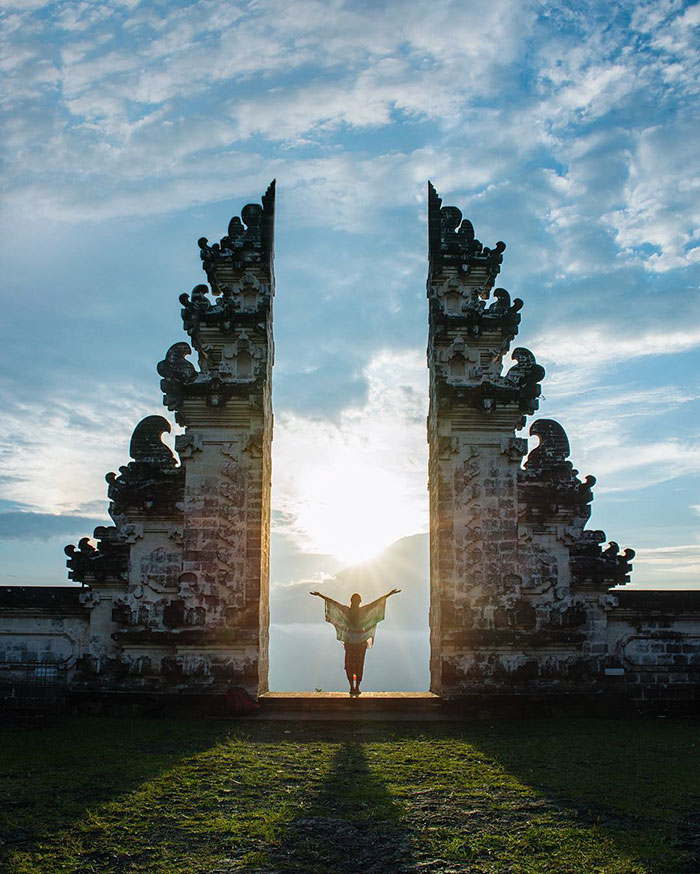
pixel 351 488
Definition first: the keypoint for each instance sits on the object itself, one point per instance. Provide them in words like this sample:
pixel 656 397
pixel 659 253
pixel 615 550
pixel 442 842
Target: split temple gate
pixel 174 596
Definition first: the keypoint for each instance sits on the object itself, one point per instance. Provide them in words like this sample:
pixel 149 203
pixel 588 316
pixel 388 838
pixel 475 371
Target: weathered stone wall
pixel 653 640
pixel 43 634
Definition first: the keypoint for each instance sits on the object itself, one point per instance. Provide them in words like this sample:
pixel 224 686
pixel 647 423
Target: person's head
pixel 355 600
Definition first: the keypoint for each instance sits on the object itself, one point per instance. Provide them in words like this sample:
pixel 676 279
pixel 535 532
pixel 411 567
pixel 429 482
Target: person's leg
pixel 360 667
pixel 354 658
pixel 348 666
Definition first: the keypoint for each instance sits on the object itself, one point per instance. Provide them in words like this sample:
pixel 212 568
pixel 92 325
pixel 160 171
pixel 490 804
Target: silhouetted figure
pixel 355 626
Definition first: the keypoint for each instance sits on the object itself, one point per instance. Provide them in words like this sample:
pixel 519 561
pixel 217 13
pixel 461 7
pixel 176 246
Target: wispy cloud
pixel 669 566
pixel 578 357
pixel 55 455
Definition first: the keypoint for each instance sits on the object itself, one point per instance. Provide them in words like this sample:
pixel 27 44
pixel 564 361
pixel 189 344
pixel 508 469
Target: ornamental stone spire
pixel 516 580
pixel 179 587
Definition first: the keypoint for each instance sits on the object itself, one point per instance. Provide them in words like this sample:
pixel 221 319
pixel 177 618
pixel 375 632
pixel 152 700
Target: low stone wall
pixel 43 633
pixel 654 638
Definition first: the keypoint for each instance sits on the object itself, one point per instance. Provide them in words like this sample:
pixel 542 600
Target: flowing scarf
pixel 356 626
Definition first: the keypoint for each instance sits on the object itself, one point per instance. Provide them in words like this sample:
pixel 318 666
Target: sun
pixel 353 509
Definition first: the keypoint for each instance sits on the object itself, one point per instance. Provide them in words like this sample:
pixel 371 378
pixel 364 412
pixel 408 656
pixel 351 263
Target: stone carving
pixel 480 389
pixel 239 365
pixel 502 305
pixel 526 374
pixel 458 363
pixel 187 444
pixel 549 487
pixel 241 360
pixel 160 569
pixel 178 373
pixel 194 306
pixel 146 445
pixel 151 483
pixel 109 560
pixel 514 448
pixel 595 567
pixel 451 243
pixel 248 244
pixel 458 304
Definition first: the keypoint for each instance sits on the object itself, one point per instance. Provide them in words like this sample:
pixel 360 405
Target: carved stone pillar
pixel 225 405
pixel 519 588
pixel 474 456
pixel 131 575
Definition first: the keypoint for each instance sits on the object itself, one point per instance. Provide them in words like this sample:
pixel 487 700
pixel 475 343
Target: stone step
pixel 339 705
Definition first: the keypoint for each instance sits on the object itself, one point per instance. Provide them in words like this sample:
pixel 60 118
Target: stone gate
pixel 174 595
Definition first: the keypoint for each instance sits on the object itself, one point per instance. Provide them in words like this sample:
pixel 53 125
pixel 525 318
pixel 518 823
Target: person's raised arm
pixel 392 592
pixel 326 598
pixel 377 600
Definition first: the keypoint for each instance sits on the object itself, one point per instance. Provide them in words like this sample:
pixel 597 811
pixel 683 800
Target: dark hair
pixel 356 598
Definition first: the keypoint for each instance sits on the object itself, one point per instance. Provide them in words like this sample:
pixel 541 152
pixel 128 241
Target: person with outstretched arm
pixel 356 627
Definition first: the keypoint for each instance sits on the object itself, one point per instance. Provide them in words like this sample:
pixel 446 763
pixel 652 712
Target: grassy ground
pixel 567 795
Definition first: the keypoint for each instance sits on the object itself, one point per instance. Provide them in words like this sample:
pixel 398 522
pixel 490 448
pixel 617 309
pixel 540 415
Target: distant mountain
pixel 404 565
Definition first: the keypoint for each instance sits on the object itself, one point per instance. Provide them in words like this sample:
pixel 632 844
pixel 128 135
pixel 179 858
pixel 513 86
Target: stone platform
pixel 339 705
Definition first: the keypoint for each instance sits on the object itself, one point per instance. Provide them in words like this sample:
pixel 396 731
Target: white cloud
pixel 592 348
pixel 661 461
pixel 55 455
pixel 668 566
pixel 608 427
pixel 164 103
pixel 126 98
pixel 661 197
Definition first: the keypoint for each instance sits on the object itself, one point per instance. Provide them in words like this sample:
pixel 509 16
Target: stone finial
pixel 151 483
pixel 592 566
pixel 553 448
pixel 248 243
pixel 451 243
pixel 177 372
pixel 108 561
pixel 549 485
pixel 194 306
pixel 146 445
pixel 528 375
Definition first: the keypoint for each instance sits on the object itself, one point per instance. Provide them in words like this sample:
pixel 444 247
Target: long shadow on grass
pixel 637 780
pixel 353 824
pixel 260 800
pixel 54 773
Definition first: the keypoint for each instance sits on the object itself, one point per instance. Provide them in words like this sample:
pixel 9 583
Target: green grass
pixel 556 795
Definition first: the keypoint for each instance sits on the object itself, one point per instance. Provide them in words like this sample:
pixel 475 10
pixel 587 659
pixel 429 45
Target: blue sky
pixel 568 130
